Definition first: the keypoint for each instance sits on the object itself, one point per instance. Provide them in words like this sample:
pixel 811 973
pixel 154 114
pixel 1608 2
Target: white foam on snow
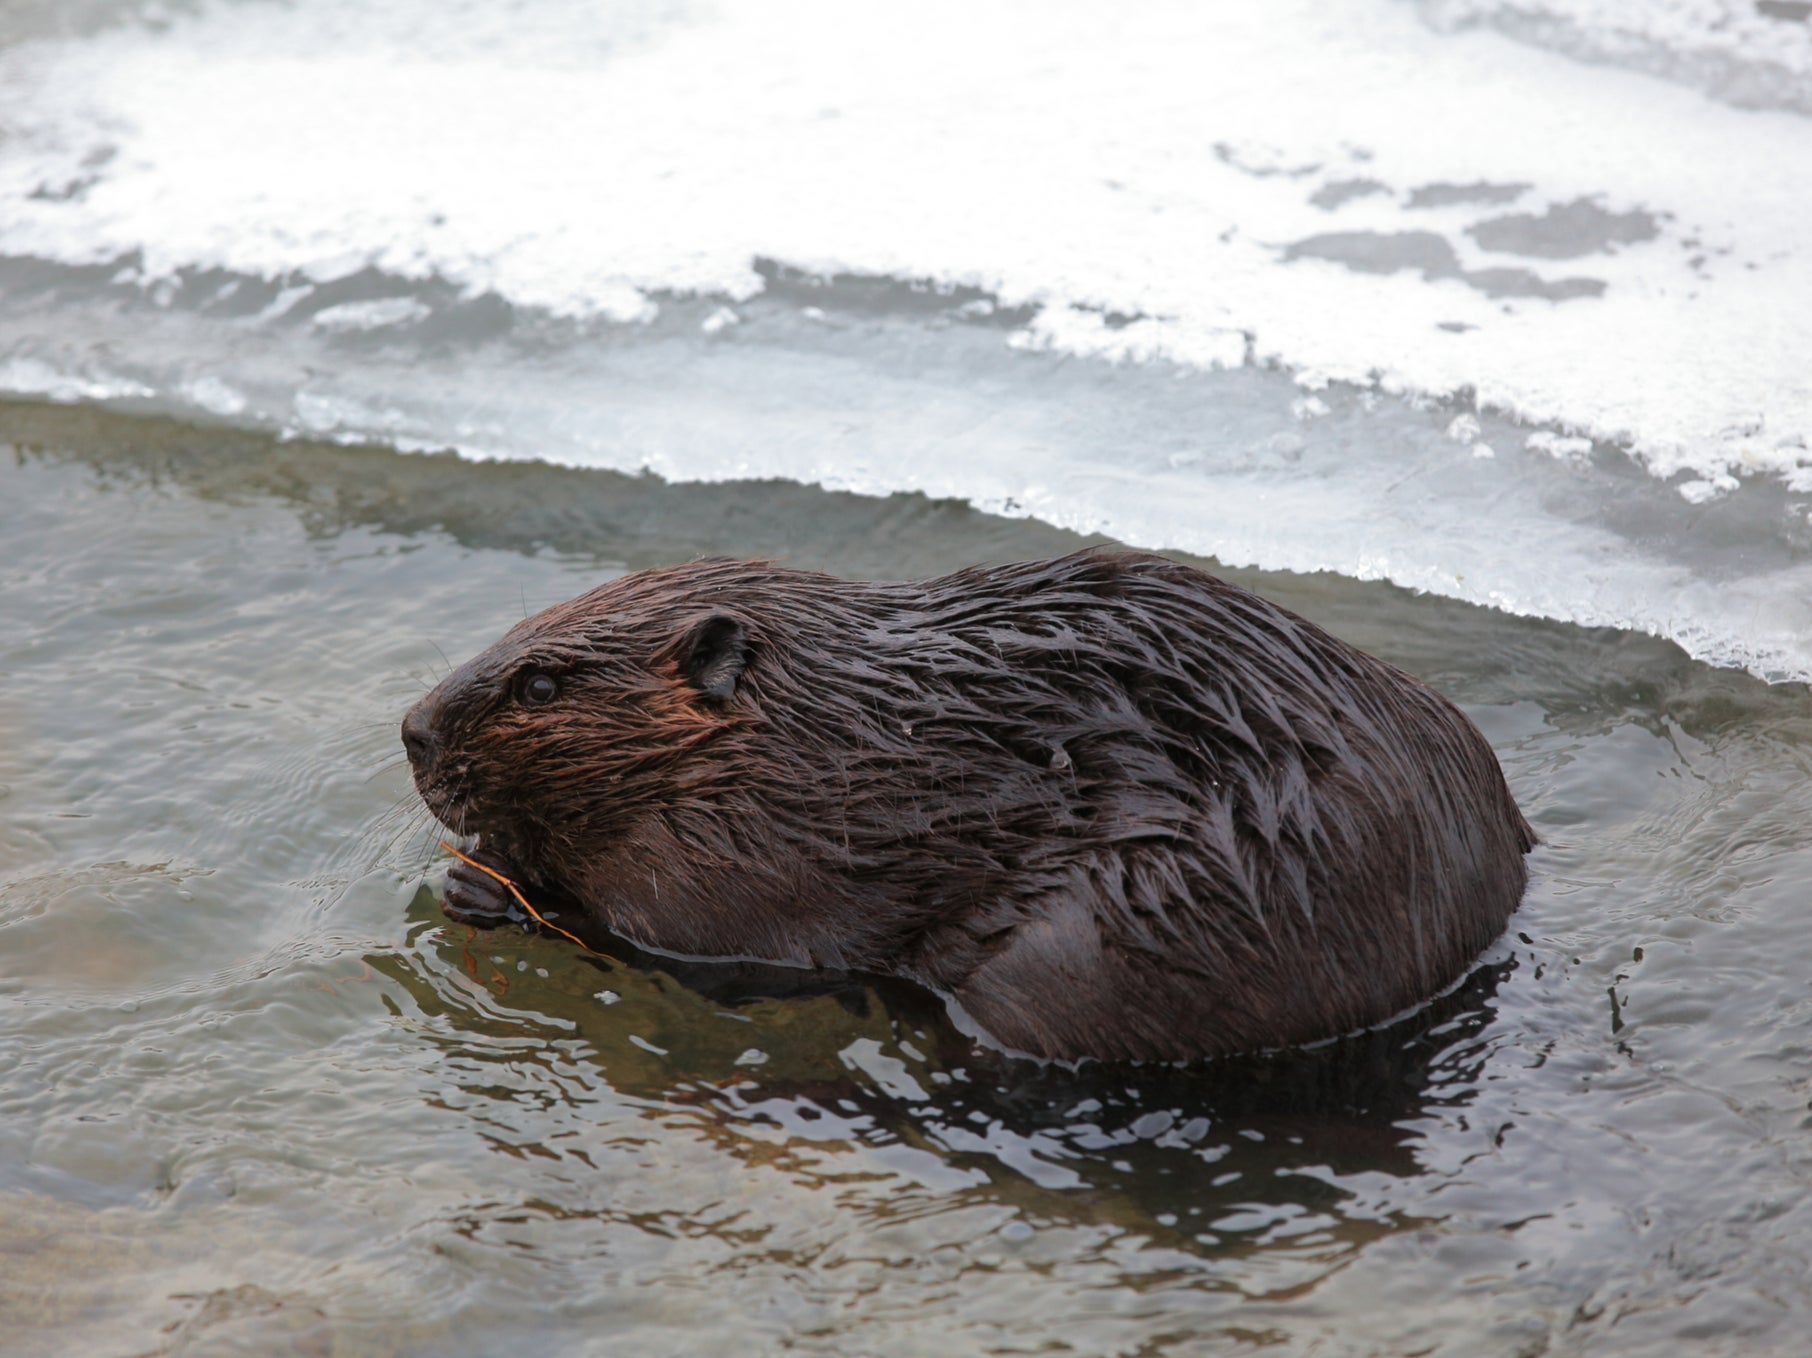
pixel 1156 160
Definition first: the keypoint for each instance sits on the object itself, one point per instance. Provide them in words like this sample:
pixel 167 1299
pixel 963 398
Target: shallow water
pixel 258 1096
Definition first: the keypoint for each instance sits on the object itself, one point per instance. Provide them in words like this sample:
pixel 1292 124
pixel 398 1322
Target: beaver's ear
pixel 712 654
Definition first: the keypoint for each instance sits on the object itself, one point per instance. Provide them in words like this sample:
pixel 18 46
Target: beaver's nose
pixel 418 736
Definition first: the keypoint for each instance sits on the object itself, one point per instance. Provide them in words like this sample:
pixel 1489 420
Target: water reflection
pixel 863 1087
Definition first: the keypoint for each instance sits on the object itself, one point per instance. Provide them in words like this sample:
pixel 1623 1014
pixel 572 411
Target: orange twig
pixel 520 898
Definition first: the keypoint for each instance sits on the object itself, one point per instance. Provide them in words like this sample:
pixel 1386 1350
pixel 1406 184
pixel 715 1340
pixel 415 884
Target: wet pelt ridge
pixel 1111 805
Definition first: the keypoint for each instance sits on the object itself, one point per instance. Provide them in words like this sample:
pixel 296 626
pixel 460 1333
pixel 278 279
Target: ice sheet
pixel 1603 263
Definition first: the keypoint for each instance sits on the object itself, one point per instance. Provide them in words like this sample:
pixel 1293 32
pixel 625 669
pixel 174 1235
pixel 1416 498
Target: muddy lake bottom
pixel 257 1095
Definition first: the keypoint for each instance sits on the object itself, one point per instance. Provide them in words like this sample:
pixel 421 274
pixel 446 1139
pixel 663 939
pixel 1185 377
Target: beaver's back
pixel 1263 835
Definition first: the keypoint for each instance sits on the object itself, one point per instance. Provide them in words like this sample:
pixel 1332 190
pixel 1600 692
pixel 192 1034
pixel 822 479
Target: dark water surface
pixel 258 1096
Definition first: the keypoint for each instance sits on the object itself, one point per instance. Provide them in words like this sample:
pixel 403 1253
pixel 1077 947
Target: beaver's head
pixel 580 720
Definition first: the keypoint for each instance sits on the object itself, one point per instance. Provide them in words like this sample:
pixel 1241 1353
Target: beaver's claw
pixel 475 897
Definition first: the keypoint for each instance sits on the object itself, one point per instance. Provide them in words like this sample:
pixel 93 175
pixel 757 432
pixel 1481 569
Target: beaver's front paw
pixel 475 897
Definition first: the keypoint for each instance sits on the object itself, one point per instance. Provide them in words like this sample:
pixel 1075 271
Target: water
pixel 335 338
pixel 258 1096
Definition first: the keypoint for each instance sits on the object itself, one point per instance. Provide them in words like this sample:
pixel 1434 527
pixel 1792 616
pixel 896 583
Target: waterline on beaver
pixel 1109 805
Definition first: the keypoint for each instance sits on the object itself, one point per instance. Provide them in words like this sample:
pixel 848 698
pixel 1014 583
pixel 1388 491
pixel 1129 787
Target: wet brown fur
pixel 1109 804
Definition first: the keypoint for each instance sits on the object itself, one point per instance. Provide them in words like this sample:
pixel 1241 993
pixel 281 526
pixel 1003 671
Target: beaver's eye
pixel 537 688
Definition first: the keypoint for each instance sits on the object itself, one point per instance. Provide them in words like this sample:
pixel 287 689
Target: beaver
pixel 1107 805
